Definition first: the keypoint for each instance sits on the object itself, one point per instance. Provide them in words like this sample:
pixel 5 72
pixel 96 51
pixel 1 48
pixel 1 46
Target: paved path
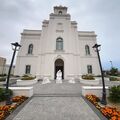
pixel 57 102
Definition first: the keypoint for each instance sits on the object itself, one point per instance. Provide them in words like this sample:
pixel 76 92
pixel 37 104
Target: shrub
pixel 88 77
pixel 114 79
pixel 114 71
pixel 2 79
pixel 114 94
pixel 28 77
pixel 2 94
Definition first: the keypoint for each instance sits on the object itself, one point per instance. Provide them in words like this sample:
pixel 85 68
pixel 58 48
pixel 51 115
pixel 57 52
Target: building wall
pixel 44 54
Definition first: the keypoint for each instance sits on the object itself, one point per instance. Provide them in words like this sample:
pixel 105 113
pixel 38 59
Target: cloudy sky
pixel 101 16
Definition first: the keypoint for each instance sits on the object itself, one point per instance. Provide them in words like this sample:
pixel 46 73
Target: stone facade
pixel 59 45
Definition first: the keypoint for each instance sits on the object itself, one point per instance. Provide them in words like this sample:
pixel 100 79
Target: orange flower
pixel 2 115
pixel 113 118
pixel 118 118
pixel 19 99
pixel 109 112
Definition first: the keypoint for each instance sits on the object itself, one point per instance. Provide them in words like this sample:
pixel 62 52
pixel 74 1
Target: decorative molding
pixel 31 34
pixel 87 35
pixel 59 30
pixel 59 51
pixel 27 56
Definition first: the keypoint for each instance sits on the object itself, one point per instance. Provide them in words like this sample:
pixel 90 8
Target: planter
pixel 90 82
pixel 24 91
pixel 96 90
pixel 3 83
pixel 26 82
pixel 105 78
pixel 115 83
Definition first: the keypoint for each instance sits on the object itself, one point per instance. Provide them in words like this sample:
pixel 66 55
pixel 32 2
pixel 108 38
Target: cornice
pixel 31 34
pixel 87 35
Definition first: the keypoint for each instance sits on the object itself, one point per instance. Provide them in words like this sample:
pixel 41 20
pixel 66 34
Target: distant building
pixel 2 65
pixel 58 46
pixel 5 67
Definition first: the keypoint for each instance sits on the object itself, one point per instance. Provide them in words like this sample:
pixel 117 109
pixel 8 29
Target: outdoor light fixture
pixel 96 47
pixel 111 64
pixel 15 46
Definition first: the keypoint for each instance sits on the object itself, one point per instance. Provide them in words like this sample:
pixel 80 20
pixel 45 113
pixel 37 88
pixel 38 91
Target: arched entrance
pixel 59 65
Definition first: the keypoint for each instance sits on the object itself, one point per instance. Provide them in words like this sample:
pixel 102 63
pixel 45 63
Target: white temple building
pixel 58 46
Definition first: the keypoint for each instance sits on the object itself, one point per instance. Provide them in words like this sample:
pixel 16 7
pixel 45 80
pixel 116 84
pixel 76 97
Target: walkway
pixel 57 102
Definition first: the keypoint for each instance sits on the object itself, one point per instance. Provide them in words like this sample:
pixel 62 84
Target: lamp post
pixel 111 64
pixel 15 46
pixel 103 101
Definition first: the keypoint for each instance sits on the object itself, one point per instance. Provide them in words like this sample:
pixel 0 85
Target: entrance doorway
pixel 59 65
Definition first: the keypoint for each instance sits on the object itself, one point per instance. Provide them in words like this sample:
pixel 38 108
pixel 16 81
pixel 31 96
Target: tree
pixel 114 71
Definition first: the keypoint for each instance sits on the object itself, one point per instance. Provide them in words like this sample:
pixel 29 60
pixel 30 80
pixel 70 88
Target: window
pixel 30 49
pixel 27 69
pixel 89 69
pixel 87 50
pixel 59 44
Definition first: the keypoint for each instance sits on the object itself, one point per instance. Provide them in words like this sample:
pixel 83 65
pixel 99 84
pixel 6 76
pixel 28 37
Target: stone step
pixel 57 95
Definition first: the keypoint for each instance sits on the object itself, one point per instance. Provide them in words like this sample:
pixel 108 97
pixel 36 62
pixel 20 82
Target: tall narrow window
pixel 27 69
pixel 59 44
pixel 30 49
pixel 87 50
pixel 89 69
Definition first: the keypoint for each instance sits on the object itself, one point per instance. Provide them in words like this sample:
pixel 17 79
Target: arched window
pixel 59 44
pixel 87 50
pixel 30 49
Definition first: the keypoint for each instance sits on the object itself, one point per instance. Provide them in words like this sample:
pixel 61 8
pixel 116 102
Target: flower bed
pixel 109 112
pixel 7 109
pixel 89 80
pixel 88 77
